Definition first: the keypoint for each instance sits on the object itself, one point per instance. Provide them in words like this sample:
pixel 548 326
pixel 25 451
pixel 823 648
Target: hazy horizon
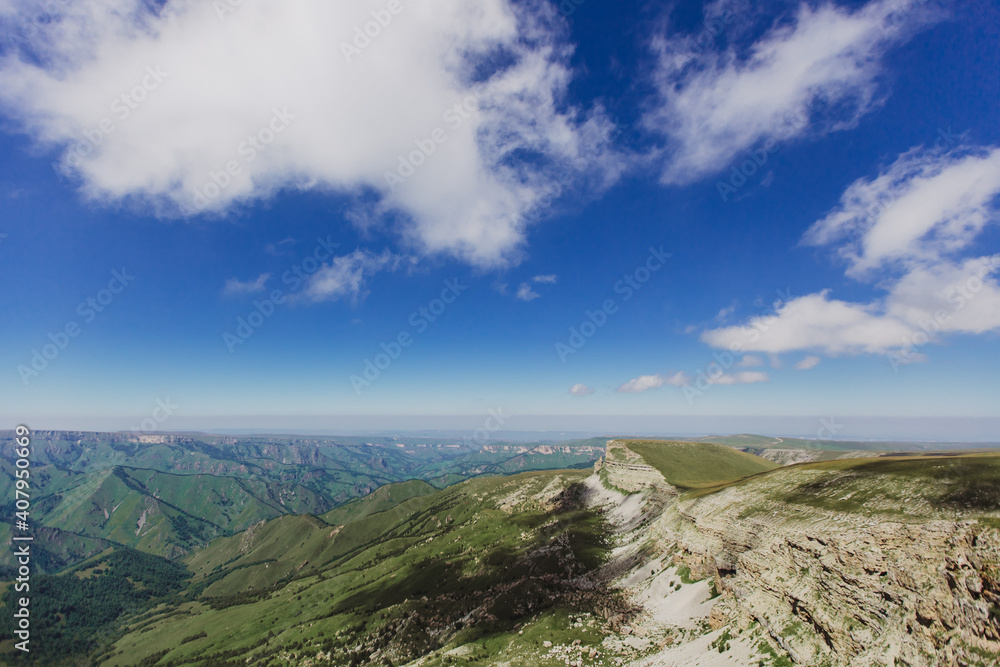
pixel 866 428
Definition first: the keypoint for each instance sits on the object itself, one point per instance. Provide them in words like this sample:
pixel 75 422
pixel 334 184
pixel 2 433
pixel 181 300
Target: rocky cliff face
pixel 789 456
pixel 883 594
pixel 894 579
pixel 625 470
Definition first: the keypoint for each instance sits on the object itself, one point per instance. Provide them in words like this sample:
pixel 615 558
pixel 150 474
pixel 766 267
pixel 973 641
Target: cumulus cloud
pixel 818 70
pixel 234 286
pixel 525 293
pixel 750 361
pixel 647 382
pixel 910 230
pixel 808 363
pixel 346 276
pixel 813 321
pixel 581 390
pixel 453 116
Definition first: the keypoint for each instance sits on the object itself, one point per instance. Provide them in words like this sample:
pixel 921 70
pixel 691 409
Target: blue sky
pixel 586 144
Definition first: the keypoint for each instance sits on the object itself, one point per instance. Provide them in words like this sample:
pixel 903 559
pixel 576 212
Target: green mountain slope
pixel 689 465
pixel 750 442
pixel 457 565
pixel 837 563
pixel 169 494
pixel 898 486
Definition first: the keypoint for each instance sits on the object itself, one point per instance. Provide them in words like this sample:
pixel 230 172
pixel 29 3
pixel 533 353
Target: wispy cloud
pixel 743 377
pixel 526 293
pixel 279 247
pixel 647 382
pixel 547 279
pixel 724 313
pixel 581 390
pixel 807 363
pixel 926 206
pixel 346 276
pixel 236 287
pixel 816 72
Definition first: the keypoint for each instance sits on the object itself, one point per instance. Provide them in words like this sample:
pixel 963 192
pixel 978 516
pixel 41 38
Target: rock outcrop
pixel 627 471
pixel 843 586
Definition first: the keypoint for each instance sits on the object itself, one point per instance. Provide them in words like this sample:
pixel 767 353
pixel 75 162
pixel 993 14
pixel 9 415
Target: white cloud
pixel 678 379
pixel 347 121
pixel 547 279
pixel 525 293
pixel 743 377
pixel 925 206
pixel 346 276
pixel 750 361
pixel 641 384
pixel 960 297
pixel 647 382
pixel 906 229
pixel 807 363
pixel 814 322
pixel 724 313
pixel 715 106
pixel 280 247
pixel 234 286
pixel 581 390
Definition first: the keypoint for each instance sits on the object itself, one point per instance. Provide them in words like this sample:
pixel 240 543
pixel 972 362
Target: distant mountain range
pixel 223 550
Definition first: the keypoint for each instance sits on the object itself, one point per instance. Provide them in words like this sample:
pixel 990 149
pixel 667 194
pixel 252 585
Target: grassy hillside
pixel 922 484
pixel 752 442
pixel 167 495
pixel 435 570
pixel 901 487
pixel 692 465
